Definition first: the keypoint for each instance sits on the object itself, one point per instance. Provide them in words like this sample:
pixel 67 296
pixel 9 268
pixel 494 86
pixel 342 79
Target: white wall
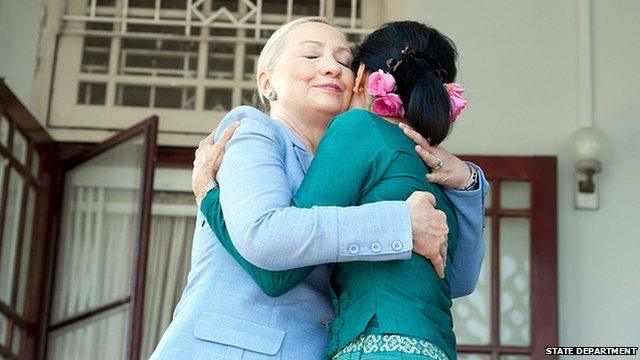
pixel 19 27
pixel 519 62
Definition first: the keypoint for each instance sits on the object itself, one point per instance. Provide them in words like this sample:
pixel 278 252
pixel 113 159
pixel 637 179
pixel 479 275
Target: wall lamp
pixel 589 148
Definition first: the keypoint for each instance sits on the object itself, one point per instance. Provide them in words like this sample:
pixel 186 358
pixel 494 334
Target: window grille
pixel 189 61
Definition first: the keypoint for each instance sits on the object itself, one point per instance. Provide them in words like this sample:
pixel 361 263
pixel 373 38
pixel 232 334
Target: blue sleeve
pixel 466 266
pixel 255 196
pixel 350 161
pixel 272 283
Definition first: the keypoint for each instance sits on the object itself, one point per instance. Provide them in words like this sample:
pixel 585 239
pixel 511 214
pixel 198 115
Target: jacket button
pixel 375 247
pixel 353 248
pixel 397 246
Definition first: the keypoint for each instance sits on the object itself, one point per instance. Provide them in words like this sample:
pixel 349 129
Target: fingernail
pixel 236 124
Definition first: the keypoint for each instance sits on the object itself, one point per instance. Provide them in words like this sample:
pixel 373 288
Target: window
pixel 187 61
pixel 100 259
pixel 20 194
pixel 512 315
pixel 48 273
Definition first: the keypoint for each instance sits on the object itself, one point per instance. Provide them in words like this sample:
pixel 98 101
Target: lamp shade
pixel 589 145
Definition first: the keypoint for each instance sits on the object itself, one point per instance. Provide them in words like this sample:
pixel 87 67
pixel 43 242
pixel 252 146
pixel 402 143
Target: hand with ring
pixel 446 169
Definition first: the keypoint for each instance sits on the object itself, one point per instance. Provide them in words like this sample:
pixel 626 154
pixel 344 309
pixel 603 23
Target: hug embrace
pixel 319 235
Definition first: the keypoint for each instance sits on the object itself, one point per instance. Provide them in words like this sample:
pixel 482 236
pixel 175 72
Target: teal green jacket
pixel 363 159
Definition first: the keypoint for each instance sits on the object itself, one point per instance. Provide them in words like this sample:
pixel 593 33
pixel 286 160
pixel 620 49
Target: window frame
pixel 20 119
pixel 149 129
pixel 541 172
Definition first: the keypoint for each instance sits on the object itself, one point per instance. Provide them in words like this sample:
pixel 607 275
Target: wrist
pixel 200 195
pixel 200 181
pixel 472 182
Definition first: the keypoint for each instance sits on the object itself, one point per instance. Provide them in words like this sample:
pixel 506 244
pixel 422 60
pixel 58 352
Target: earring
pixel 271 95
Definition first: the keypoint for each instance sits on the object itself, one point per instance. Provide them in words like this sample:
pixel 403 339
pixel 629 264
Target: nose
pixel 331 68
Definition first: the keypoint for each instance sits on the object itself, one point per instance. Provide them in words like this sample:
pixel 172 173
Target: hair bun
pixel 434 66
pixel 420 59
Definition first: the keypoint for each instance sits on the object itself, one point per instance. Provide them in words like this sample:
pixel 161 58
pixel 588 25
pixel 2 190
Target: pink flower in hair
pixel 381 83
pixel 388 105
pixel 458 101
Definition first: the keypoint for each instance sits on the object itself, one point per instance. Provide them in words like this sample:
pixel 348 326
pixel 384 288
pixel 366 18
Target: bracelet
pixel 205 190
pixel 473 180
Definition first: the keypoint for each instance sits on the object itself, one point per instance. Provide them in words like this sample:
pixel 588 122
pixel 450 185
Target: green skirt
pixel 390 347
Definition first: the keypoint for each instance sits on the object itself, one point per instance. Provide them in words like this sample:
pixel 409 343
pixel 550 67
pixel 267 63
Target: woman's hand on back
pixel 446 169
pixel 429 229
pixel 208 157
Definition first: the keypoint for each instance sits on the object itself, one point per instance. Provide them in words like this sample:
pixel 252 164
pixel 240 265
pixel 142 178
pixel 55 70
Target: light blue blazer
pixel 223 314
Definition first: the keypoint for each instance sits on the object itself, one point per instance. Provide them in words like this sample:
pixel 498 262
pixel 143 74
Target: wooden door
pixel 513 314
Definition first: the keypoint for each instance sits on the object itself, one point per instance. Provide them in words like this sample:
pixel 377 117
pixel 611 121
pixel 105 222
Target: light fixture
pixel 589 148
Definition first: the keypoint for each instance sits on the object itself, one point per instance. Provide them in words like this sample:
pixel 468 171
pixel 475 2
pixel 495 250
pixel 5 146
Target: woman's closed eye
pixel 344 58
pixel 345 63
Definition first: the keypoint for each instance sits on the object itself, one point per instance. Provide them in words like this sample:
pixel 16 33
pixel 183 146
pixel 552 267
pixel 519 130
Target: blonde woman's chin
pixel 327 106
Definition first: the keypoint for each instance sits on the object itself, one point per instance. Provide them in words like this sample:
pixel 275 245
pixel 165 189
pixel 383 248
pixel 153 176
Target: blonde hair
pixel 270 54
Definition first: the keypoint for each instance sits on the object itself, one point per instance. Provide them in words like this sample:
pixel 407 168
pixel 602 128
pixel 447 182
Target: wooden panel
pixel 541 172
pixel 544 255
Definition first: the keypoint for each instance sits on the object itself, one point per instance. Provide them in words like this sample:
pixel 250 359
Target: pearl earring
pixel 271 95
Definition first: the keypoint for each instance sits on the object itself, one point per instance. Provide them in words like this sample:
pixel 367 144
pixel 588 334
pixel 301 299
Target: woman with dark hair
pixel 396 309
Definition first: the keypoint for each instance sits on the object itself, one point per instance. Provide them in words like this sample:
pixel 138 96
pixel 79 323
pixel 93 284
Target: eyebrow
pixel 341 48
